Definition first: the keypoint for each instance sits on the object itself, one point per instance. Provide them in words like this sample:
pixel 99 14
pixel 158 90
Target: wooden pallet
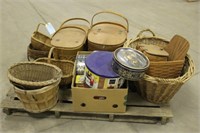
pixel 138 110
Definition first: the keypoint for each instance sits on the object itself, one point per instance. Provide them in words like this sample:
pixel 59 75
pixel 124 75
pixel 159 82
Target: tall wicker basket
pixel 155 89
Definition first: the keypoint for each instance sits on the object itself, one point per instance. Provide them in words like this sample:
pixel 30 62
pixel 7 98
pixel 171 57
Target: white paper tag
pixel 50 28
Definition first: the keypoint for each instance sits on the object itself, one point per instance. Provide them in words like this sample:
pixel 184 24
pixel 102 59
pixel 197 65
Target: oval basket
pixel 32 75
pixel 160 90
pixel 65 65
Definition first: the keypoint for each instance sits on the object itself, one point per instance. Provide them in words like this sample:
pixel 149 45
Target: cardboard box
pixel 98 100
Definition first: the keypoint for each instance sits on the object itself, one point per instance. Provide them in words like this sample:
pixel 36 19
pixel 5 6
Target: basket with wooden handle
pixel 156 89
pixel 107 35
pixel 40 41
pixel 68 40
pixel 65 65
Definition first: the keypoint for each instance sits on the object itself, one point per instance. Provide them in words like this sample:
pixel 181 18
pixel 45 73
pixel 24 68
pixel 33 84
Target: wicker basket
pixel 68 41
pixel 65 65
pixel 161 69
pixel 32 75
pixel 35 54
pixel 107 35
pixel 160 90
pixel 38 100
pixel 40 41
pixel 155 89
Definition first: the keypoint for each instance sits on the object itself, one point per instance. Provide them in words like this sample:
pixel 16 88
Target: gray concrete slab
pixel 19 19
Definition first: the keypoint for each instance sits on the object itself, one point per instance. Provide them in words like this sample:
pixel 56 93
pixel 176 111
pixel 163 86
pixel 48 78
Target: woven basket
pixel 161 69
pixel 40 41
pixel 32 75
pixel 160 90
pixel 34 53
pixel 107 35
pixel 65 65
pixel 38 100
pixel 65 43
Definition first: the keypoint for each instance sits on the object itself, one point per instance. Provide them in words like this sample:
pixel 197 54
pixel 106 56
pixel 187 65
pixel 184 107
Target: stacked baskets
pixel 161 90
pixel 36 84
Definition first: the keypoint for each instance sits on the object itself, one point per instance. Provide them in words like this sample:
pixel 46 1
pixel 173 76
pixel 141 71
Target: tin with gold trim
pixel 129 63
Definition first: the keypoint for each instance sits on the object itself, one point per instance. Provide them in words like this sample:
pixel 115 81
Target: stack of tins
pixel 99 72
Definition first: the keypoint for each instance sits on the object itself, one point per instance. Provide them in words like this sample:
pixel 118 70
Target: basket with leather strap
pixel 107 35
pixel 32 75
pixel 65 65
pixel 161 90
pixel 161 69
pixel 40 41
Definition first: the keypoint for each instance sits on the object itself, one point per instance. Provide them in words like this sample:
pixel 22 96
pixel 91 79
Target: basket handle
pixel 38 26
pixel 71 19
pixel 69 27
pixel 49 55
pixel 126 44
pixel 145 30
pixel 110 12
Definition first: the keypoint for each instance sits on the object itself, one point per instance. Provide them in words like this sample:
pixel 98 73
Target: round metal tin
pixel 131 58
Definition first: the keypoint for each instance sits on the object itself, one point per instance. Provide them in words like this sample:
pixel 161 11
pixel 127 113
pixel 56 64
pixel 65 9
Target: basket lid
pixel 131 58
pixel 68 38
pixel 107 34
pixel 100 63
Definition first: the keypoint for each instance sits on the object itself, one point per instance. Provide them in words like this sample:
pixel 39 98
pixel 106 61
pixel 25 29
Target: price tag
pixel 50 28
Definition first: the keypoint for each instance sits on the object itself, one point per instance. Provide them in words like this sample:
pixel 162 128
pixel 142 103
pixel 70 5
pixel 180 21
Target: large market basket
pixel 65 65
pixel 32 75
pixel 107 35
pixel 155 89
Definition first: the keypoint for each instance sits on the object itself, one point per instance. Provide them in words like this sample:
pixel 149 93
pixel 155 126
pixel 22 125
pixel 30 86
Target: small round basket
pixel 155 89
pixel 32 75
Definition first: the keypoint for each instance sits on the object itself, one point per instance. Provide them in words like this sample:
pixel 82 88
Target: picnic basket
pixel 155 89
pixel 65 65
pixel 107 35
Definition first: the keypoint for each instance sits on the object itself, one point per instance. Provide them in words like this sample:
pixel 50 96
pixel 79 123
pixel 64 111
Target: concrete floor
pixel 166 18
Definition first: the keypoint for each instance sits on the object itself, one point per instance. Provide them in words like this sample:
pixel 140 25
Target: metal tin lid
pixel 131 58
pixel 100 63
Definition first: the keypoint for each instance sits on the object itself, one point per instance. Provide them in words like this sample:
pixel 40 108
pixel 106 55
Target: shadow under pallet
pixel 138 110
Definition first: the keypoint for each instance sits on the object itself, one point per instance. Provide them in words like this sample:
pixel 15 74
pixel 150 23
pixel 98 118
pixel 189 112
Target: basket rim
pixel 186 76
pixel 31 83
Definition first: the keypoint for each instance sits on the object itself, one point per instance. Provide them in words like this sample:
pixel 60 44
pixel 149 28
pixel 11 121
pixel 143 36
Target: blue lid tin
pixel 100 63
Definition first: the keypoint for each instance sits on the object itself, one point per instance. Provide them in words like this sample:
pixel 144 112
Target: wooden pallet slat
pixel 138 110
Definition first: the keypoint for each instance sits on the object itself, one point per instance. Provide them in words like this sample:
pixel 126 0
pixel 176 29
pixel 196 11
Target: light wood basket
pixel 32 75
pixel 40 41
pixel 161 90
pixel 161 69
pixel 65 65
pixel 38 100
pixel 104 35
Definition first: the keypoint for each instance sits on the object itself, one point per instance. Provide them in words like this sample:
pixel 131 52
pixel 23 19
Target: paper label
pixel 50 28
